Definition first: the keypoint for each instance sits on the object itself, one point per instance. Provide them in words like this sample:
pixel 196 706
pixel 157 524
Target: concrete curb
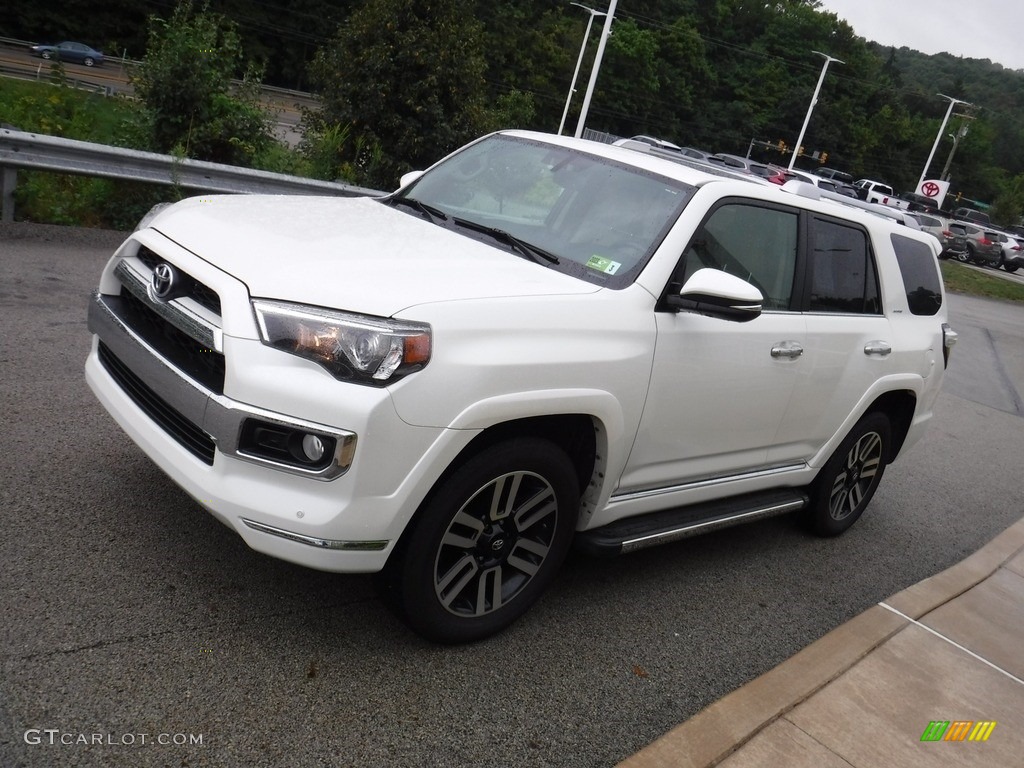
pixel 721 729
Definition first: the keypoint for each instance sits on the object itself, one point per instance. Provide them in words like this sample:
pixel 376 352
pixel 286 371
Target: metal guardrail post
pixel 10 181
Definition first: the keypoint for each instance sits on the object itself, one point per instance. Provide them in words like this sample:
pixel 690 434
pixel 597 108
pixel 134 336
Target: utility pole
pixel 956 142
pixel 575 74
pixel 608 19
pixel 810 109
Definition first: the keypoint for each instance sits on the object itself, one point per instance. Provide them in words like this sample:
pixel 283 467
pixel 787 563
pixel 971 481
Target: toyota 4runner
pixel 538 341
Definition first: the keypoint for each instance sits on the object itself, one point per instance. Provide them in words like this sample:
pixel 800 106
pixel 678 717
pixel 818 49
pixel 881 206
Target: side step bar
pixel 633 533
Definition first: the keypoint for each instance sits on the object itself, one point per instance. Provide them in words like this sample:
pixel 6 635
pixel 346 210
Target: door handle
pixel 877 348
pixel 787 349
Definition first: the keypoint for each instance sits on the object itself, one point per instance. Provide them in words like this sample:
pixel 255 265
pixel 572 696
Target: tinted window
pixel 842 271
pixel 920 277
pixel 754 243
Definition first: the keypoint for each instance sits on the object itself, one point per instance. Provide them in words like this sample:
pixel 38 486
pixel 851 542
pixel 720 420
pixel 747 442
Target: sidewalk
pixel 950 648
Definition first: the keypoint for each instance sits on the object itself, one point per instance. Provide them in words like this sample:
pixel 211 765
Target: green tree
pixel 405 78
pixel 185 84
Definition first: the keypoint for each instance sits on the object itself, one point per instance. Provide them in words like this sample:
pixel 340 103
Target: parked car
pixel 975 217
pixel 1012 257
pixel 835 175
pixel 77 53
pixel 696 154
pixel 651 141
pixel 952 238
pixel 539 341
pixel 819 181
pixel 982 245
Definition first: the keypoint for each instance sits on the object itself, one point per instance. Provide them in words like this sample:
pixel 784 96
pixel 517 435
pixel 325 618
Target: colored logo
pixel 958 730
pixel 930 188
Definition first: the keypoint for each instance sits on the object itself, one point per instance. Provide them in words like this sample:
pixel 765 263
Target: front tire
pixel 487 543
pixel 46 55
pixel 845 485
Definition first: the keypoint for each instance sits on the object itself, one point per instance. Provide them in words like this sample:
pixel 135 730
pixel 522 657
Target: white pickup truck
pixel 878 192
pixel 539 341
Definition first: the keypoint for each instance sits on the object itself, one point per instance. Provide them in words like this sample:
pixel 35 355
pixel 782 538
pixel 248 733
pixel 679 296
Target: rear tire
pixel 845 485
pixel 1010 269
pixel 965 257
pixel 487 543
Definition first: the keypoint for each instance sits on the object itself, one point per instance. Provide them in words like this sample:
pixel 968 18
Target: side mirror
pixel 715 293
pixel 409 178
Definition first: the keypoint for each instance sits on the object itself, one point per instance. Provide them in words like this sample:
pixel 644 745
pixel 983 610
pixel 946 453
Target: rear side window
pixel 920 275
pixel 842 270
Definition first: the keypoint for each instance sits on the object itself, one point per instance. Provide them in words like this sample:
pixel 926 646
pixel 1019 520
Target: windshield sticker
pixel 601 264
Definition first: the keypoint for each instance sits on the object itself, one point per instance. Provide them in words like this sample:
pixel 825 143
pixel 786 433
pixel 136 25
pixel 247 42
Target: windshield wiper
pixel 434 215
pixel 529 250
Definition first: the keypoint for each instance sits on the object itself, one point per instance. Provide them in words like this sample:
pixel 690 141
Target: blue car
pixel 79 53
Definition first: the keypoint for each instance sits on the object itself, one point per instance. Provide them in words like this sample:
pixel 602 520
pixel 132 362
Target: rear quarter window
pixel 920 275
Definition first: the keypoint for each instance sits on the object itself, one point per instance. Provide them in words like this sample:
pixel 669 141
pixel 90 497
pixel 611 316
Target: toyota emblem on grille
pixel 165 279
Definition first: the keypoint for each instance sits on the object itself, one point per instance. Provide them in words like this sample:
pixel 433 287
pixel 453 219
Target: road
pixel 130 614
pixel 284 106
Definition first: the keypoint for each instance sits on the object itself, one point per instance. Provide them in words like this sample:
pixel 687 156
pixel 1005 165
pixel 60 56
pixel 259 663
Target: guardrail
pixel 19 149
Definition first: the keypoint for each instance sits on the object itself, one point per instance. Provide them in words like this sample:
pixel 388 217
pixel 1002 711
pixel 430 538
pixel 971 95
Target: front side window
pixel 842 270
pixel 755 243
pixel 592 217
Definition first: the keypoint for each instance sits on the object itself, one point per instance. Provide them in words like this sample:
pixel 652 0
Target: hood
pixel 354 254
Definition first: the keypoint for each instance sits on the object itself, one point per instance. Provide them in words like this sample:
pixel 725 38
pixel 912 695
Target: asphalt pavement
pixel 138 631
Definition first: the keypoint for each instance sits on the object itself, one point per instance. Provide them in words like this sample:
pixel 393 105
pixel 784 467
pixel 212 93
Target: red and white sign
pixel 934 189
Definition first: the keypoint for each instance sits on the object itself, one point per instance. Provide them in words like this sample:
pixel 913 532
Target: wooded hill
pixel 713 74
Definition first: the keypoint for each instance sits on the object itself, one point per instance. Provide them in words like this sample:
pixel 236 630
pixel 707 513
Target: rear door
pixel 848 344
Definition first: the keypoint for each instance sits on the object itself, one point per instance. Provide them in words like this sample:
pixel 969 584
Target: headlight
pixel 359 348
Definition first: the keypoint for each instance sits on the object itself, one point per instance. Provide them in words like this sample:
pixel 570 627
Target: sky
pixel 977 29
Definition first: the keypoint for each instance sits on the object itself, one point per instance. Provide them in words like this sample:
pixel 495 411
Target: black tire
pixel 88 61
pixel 1009 269
pixel 46 55
pixel 487 543
pixel 966 256
pixel 845 485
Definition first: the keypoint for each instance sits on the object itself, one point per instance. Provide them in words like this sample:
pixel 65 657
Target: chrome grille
pixel 193 358
pixel 200 293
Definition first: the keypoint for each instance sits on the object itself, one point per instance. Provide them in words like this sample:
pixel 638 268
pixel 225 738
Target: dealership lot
pixel 131 615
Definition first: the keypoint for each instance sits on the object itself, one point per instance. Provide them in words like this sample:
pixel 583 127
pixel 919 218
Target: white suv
pixel 540 340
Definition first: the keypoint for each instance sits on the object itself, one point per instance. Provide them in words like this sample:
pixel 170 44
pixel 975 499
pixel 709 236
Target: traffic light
pixel 823 158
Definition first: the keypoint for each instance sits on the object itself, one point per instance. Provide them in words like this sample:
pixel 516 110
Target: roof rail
pixel 803 189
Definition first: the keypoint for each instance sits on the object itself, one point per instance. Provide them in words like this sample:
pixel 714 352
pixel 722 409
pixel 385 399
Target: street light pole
pixel 810 109
pixel 579 61
pixel 608 19
pixel 952 103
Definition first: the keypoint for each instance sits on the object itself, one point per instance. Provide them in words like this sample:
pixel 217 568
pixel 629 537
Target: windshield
pixel 567 210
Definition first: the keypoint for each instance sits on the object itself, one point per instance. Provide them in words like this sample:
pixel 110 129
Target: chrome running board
pixel 642 531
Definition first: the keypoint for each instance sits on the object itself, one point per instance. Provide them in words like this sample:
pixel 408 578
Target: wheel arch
pixel 899 407
pixel 583 437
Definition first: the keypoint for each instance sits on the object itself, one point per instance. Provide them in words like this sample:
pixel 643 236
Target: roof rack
pixel 803 189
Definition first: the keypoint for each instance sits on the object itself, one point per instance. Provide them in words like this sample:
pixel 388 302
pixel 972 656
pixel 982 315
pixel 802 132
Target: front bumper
pixel 345 516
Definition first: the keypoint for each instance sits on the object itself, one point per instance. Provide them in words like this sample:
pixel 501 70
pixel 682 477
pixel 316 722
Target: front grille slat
pixel 201 363
pixel 186 433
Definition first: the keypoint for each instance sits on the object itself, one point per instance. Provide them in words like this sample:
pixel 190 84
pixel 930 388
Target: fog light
pixel 313 447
